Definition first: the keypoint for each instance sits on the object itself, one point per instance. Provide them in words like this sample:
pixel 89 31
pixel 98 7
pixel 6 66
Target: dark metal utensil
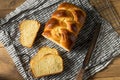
pixel 90 50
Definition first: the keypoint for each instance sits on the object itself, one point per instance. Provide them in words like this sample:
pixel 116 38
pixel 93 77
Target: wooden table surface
pixel 8 70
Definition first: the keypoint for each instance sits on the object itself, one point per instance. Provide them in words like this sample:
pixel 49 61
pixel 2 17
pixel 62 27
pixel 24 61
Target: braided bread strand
pixel 64 25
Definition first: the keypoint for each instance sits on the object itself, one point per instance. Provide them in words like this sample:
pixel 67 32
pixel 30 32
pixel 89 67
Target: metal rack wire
pixel 107 11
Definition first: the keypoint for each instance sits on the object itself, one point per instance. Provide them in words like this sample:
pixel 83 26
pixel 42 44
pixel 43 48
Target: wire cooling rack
pixel 107 11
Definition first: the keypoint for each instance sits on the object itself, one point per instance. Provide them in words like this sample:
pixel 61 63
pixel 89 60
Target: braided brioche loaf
pixel 64 25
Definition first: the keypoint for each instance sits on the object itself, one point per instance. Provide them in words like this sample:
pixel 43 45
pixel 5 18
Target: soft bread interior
pixel 47 65
pixel 28 32
pixel 44 51
pixel 56 43
pixel 46 62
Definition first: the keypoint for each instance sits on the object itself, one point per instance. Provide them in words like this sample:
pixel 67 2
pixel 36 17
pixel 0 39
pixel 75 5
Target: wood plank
pixel 107 13
pixel 10 4
pixel 7 68
pixel 7 6
pixel 111 71
pixel 116 61
pixel 4 12
pixel 116 4
pixel 1 45
pixel 109 78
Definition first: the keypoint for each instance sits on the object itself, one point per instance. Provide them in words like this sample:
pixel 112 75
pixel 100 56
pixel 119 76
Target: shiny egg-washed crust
pixel 64 25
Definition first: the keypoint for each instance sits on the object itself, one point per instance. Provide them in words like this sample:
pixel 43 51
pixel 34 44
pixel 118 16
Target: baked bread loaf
pixel 46 62
pixel 64 25
pixel 28 32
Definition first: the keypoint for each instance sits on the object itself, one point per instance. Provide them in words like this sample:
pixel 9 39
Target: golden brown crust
pixel 64 25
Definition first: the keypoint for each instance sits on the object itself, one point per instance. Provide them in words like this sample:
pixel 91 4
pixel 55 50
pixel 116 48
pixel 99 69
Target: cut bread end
pixel 57 43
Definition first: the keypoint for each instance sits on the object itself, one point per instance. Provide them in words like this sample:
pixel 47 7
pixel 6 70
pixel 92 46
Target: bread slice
pixel 47 65
pixel 28 32
pixel 47 50
pixel 46 62
pixel 44 51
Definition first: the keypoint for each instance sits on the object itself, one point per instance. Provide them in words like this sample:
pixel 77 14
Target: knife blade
pixel 89 52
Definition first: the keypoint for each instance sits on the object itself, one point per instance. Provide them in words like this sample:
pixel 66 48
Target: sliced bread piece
pixel 44 51
pixel 46 62
pixel 28 32
pixel 47 65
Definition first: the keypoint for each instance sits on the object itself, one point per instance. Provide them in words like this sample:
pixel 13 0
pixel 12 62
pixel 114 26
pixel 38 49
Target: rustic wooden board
pixel 6 6
pixel 107 11
pixel 8 69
